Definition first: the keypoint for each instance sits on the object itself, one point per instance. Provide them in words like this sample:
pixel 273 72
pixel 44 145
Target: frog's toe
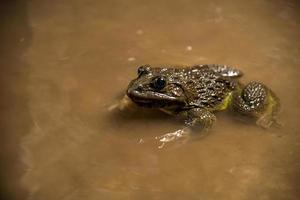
pixel 266 121
pixel 182 134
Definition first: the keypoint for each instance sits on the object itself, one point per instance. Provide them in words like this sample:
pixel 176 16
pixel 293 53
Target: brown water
pixel 65 63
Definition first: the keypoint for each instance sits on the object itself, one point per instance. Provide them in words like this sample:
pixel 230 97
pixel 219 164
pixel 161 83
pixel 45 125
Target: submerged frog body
pixel 198 91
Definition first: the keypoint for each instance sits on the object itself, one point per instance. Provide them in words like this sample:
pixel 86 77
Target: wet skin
pixel 197 92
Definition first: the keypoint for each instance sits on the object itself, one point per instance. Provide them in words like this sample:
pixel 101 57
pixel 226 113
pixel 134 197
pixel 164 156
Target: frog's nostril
pixel 139 87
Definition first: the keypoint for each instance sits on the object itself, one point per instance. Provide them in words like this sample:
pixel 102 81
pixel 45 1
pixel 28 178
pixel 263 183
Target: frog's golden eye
pixel 144 69
pixel 159 82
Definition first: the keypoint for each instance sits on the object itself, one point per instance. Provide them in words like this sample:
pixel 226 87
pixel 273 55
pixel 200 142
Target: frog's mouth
pixel 153 99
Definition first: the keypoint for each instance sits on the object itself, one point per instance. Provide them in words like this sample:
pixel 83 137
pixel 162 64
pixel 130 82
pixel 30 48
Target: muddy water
pixel 66 63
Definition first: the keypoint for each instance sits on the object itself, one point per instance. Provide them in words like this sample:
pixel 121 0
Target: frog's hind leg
pixel 256 100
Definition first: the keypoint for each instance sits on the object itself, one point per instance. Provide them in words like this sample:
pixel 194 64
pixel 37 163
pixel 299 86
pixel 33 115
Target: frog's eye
pixel 159 83
pixel 145 69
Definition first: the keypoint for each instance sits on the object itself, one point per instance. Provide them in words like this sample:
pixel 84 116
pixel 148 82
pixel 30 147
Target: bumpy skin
pixel 198 91
pixel 257 101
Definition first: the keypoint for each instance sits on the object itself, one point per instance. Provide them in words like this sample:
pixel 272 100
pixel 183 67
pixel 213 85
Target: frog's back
pixel 208 86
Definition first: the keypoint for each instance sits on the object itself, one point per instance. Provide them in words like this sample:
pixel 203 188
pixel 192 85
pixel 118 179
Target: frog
pixel 198 92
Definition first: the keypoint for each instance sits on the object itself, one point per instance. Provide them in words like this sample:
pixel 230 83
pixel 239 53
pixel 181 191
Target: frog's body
pixel 200 90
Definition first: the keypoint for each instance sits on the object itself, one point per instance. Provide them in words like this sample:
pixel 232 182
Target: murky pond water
pixel 65 63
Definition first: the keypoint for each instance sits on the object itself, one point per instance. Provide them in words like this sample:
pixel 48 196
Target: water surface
pixel 67 62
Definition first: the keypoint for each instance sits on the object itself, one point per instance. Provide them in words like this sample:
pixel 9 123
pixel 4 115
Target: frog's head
pixel 156 88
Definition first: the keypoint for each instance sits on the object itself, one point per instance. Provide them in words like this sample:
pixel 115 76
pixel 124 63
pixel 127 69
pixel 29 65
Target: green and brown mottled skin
pixel 199 91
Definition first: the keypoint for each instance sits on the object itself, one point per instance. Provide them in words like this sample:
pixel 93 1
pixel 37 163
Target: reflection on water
pixel 80 58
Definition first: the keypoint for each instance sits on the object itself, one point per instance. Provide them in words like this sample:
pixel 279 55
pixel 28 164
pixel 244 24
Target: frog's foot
pixel 124 104
pixel 182 134
pixel 198 120
pixel 267 120
pixel 256 100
